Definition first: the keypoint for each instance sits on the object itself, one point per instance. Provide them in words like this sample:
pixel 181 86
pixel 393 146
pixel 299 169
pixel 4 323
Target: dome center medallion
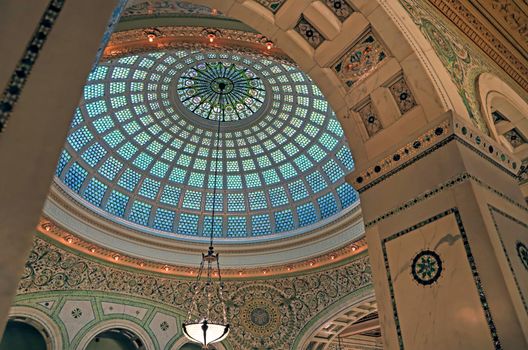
pixel 223 91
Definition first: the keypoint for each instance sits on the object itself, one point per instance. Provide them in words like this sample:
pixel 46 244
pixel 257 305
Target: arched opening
pixel 191 346
pixel 507 115
pixel 116 339
pixel 21 335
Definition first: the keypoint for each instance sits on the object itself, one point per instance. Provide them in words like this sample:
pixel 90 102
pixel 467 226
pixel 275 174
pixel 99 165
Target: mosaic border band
pixel 25 64
pixel 494 210
pixel 433 139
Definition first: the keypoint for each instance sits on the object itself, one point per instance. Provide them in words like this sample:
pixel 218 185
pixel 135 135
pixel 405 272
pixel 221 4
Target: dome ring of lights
pixel 138 157
pixel 221 90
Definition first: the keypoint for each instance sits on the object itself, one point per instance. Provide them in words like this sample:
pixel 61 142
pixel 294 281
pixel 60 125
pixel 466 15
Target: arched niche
pixel 116 339
pixel 21 335
pixel 190 346
pixel 26 319
pixel 506 113
pixel 184 344
pixel 329 323
pixel 116 335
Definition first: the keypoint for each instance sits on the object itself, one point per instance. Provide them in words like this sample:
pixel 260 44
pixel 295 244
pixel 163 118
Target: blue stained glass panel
pixel 347 195
pixel 164 220
pixel 117 203
pixel 149 188
pixel 260 225
pixel 75 177
pixel 139 213
pixel 236 226
pixel 284 221
pixel 63 160
pixel 307 214
pixel 327 205
pixel 95 192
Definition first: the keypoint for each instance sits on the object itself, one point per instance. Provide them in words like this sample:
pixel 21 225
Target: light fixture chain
pixel 215 179
pixel 196 291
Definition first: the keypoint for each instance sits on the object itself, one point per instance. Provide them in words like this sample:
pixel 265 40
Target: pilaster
pixel 48 49
pixel 446 226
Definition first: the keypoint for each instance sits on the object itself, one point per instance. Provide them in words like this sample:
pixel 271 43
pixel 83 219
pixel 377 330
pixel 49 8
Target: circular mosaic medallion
pixel 426 267
pixel 522 251
pixel 260 317
pixel 221 91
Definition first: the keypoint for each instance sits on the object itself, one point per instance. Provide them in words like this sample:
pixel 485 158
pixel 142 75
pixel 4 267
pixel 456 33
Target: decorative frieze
pixel 279 309
pixel 433 139
pixel 189 38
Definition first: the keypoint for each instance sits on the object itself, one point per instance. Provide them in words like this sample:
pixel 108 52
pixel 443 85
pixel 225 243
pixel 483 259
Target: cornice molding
pixel 190 37
pixel 478 32
pixel 450 128
pixel 79 242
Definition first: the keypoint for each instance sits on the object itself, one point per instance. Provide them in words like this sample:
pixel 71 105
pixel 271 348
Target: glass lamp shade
pixel 205 333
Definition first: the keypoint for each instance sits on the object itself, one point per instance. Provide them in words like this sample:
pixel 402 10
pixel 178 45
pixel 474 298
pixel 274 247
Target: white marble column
pixel 447 229
pixel 48 48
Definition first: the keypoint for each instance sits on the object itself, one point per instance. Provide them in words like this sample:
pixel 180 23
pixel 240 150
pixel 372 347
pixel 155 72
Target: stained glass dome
pixel 140 151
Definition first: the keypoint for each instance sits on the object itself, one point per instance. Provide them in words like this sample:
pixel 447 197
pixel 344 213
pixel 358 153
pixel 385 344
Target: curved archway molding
pixel 42 322
pixel 182 341
pixel 116 323
pixel 411 55
pixel 506 114
pixel 336 310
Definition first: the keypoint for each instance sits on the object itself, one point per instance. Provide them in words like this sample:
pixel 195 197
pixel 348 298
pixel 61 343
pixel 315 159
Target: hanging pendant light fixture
pixel 207 328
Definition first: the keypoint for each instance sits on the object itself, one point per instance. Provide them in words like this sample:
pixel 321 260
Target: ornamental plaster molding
pixel 55 232
pixel 461 16
pixel 299 298
pixel 135 41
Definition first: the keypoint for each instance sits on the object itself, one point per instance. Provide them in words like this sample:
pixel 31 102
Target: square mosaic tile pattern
pixel 515 138
pixel 340 8
pixel 370 119
pixel 402 95
pixel 309 33
pixel 272 5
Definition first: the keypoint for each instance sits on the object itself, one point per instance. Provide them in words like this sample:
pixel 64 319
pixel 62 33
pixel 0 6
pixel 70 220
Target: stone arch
pixel 411 57
pixel 184 341
pixel 350 308
pixel 147 341
pixel 42 322
pixel 497 96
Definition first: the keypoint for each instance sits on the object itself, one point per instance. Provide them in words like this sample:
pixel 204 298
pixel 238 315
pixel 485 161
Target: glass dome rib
pixel 133 152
